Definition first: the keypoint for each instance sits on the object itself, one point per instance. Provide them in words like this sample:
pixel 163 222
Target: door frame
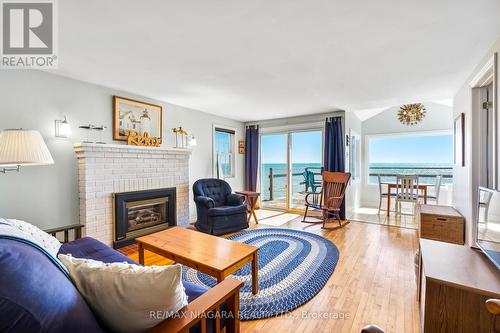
pixel 288 133
pixel 488 74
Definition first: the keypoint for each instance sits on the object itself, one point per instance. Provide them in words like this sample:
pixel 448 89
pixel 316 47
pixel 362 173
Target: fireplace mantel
pixel 105 169
pixel 127 148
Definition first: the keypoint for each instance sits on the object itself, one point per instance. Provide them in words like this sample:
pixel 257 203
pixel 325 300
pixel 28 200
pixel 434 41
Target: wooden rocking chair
pixel 334 187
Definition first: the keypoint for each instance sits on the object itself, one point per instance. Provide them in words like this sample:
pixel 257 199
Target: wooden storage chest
pixel 441 223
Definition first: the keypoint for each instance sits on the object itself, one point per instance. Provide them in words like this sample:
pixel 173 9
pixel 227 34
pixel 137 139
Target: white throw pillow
pixel 36 235
pixel 125 297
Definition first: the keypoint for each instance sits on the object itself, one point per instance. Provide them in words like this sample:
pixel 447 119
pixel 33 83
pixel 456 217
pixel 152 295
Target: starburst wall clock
pixel 411 114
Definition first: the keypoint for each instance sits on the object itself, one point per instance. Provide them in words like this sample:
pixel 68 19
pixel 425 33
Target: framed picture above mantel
pixel 133 115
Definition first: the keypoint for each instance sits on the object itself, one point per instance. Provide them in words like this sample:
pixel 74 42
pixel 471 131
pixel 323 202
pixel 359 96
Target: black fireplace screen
pixel 146 213
pixel 140 213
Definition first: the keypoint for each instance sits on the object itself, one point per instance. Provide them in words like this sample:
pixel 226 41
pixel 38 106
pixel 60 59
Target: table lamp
pixel 20 147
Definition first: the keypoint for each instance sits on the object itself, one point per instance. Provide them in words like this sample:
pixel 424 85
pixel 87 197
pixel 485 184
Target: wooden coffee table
pixel 212 255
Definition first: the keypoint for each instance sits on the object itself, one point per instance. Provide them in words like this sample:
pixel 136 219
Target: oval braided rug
pixel 293 267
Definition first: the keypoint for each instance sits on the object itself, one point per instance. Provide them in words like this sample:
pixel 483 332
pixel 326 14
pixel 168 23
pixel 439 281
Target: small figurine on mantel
pixel 90 128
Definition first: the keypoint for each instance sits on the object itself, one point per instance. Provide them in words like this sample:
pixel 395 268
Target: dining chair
pixel 334 187
pixel 484 202
pixel 406 191
pixel 382 194
pixel 437 190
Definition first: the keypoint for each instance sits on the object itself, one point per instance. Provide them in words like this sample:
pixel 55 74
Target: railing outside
pixel 279 187
pixel 427 175
pixel 274 189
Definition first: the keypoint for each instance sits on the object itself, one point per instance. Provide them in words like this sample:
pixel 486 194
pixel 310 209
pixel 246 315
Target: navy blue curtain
pixel 334 150
pixel 251 157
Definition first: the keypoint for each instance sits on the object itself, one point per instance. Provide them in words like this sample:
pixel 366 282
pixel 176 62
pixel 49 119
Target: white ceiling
pixel 254 60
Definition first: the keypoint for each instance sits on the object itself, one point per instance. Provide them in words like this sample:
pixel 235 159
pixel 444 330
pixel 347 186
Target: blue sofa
pixel 219 211
pixel 37 296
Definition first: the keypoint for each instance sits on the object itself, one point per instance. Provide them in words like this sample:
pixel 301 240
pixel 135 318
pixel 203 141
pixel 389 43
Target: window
pixel 224 153
pixel 426 155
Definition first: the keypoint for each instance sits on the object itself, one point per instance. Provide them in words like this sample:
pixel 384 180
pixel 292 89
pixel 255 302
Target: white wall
pixel 466 178
pixel 48 195
pixel 354 191
pixel 438 118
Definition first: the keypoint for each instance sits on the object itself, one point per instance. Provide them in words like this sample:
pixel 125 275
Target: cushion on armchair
pixel 227 210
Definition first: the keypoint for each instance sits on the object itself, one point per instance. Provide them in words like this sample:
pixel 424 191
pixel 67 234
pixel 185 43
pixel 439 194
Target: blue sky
pixel 418 149
pixel 306 147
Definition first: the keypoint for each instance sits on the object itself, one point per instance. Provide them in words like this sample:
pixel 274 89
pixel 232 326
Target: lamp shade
pixel 23 147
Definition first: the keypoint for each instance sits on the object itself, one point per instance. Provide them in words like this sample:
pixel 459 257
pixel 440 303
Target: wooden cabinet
pixel 455 282
pixel 441 223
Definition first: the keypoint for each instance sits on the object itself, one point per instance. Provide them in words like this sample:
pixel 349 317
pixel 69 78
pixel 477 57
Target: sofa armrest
pixel 204 201
pixel 77 231
pixel 234 199
pixel 228 292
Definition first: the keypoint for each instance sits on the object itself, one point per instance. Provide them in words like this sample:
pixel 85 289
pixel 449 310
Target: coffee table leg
pixel 220 277
pixel 141 254
pixel 255 274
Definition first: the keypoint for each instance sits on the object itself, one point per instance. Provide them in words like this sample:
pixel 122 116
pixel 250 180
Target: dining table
pixel 391 186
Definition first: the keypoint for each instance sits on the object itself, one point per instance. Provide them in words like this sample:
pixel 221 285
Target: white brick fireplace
pixel 105 169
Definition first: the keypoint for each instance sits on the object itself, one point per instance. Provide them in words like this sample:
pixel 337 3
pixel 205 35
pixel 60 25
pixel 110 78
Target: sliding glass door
pixel 290 168
pixel 306 160
pixel 274 171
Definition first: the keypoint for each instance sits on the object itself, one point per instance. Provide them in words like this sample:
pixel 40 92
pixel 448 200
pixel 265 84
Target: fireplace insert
pixel 140 213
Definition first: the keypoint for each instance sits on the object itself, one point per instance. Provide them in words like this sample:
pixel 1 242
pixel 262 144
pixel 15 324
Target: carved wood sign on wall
pixel 134 138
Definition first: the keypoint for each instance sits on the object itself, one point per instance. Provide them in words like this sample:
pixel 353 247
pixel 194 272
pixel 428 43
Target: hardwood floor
pixel 374 282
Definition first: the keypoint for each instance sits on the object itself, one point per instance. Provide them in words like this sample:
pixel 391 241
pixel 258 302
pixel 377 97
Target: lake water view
pixel 426 171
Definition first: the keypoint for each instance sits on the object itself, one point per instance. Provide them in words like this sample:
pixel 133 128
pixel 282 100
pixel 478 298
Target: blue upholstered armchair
pixel 219 210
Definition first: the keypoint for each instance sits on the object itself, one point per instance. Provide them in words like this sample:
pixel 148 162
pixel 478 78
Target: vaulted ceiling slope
pixel 254 60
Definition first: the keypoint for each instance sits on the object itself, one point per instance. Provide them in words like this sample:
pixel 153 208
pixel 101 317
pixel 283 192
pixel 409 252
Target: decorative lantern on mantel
pixel 411 114
pixel 181 137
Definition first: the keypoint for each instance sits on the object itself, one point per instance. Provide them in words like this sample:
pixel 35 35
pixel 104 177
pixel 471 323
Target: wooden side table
pixel 251 200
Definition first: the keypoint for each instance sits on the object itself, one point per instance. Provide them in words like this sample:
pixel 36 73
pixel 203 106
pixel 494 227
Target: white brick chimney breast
pixel 105 169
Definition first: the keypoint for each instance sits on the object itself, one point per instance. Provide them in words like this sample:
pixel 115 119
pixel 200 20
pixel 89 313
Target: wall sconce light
pixel 192 141
pixel 63 129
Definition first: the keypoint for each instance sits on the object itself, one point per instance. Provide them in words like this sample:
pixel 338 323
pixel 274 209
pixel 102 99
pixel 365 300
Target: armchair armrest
pixel 234 199
pixel 66 229
pixel 227 291
pixel 204 201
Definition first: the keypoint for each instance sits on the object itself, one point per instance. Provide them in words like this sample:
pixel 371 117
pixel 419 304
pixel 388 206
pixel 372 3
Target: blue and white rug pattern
pixel 293 267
